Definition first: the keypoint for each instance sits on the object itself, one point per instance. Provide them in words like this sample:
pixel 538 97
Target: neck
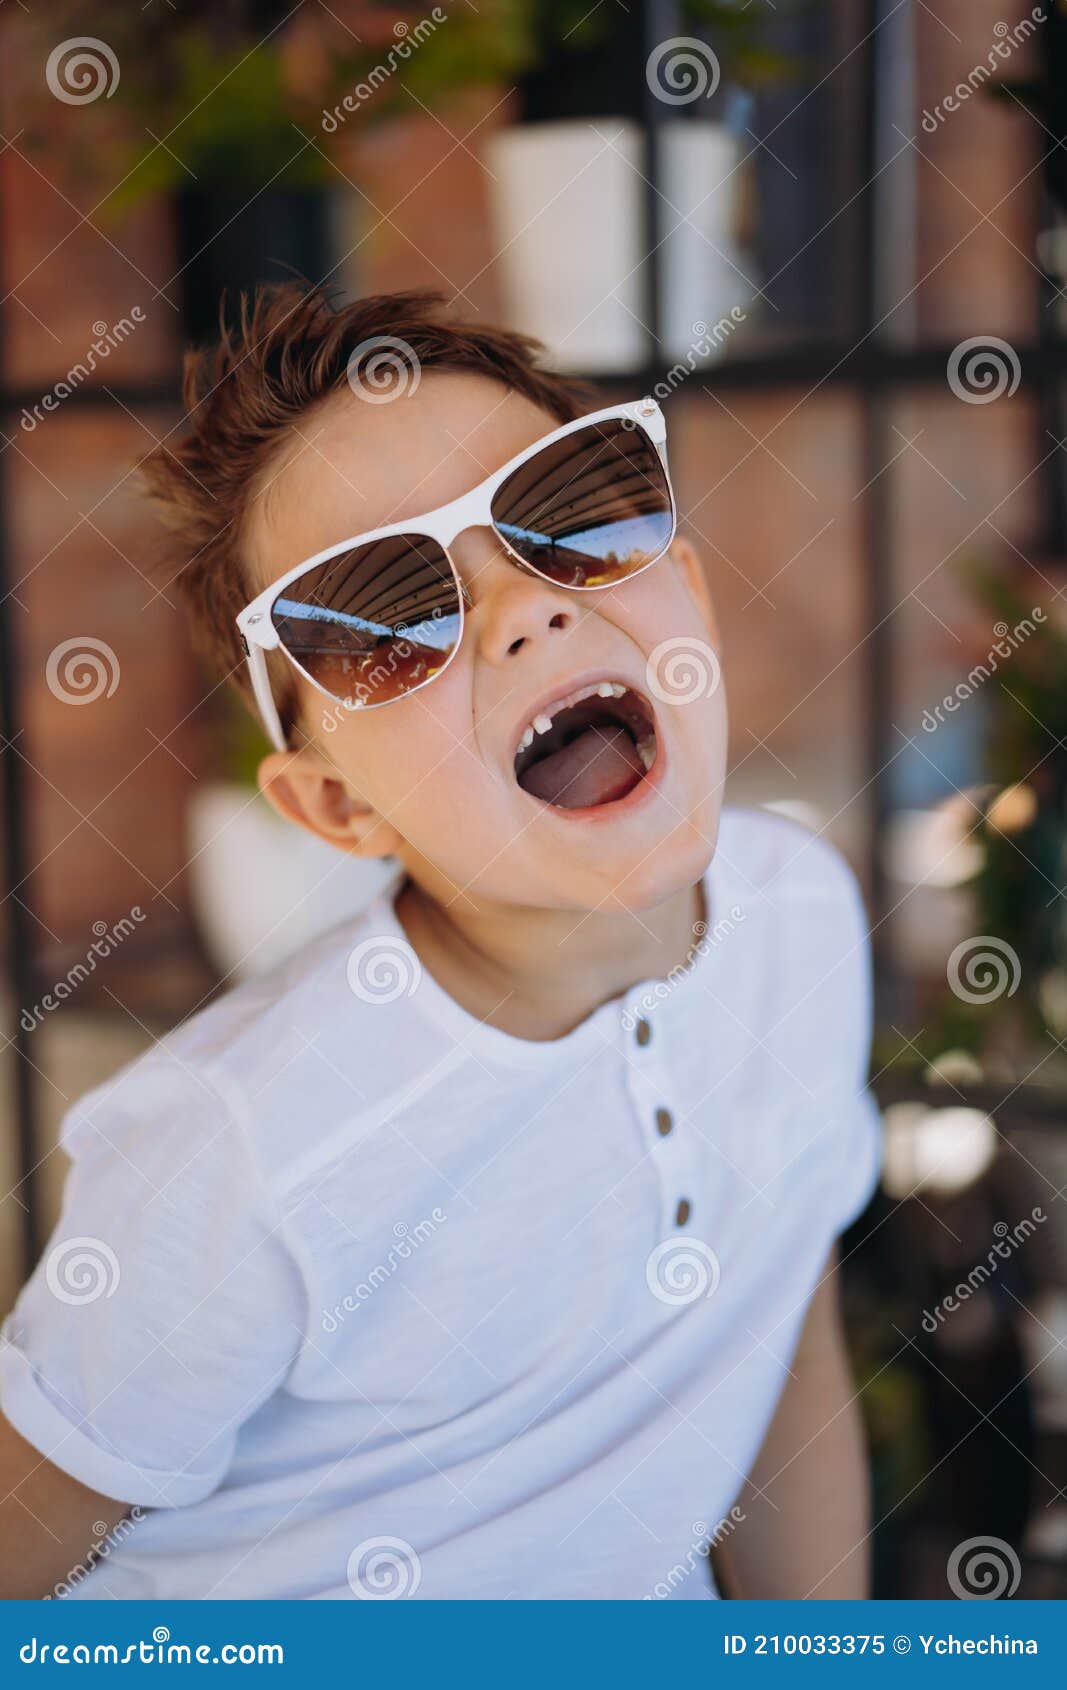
pixel 537 973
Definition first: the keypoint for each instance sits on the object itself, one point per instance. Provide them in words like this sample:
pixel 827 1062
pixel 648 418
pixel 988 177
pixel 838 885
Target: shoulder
pixel 801 963
pixel 772 871
pixel 297 1054
pixel 777 859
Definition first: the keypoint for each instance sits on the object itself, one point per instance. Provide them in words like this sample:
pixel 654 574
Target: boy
pixel 485 1249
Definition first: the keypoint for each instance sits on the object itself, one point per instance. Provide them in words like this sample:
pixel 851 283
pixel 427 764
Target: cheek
pixel 656 608
pixel 693 704
pixel 683 673
pixel 417 763
pixel 401 773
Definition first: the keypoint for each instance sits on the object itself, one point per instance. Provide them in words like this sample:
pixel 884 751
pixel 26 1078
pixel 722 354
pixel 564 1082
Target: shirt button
pixel 682 1213
pixel 664 1122
pixel 643 1032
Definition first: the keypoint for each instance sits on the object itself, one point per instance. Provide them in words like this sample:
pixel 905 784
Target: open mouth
pixel 587 749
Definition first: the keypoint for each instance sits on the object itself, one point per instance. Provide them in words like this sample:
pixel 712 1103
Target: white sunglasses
pixel 380 615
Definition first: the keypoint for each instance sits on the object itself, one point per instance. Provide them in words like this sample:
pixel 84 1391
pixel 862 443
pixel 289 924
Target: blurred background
pixel 830 236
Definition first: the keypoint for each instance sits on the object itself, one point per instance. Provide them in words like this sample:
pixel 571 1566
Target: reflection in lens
pixel 590 509
pixel 375 622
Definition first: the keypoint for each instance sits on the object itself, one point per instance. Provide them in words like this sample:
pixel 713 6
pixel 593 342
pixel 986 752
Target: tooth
pixel 605 690
pixel 646 750
pixel 616 690
pixel 527 740
pixel 542 723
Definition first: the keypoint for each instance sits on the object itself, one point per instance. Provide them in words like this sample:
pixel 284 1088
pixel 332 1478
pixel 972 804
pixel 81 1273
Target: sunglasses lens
pixel 373 623
pixel 593 508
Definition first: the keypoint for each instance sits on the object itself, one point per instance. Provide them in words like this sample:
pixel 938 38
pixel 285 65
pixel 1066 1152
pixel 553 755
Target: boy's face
pixel 435 777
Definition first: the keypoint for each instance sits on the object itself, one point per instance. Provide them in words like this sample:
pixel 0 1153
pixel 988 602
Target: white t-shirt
pixel 356 1295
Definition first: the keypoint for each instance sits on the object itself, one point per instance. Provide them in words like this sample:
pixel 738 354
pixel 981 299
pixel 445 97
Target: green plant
pixel 227 93
pixel 1021 835
pixel 1018 886
pixel 738 30
pixel 228 120
pixel 240 740
pixel 233 92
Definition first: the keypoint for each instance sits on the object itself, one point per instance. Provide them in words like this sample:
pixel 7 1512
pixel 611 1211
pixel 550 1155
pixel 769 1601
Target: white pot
pixel 567 203
pixel 262 887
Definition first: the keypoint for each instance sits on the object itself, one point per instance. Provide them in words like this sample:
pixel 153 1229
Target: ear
pixel 304 787
pixel 687 559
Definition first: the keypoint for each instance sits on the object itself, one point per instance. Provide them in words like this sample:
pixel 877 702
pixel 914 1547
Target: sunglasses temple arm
pixel 268 710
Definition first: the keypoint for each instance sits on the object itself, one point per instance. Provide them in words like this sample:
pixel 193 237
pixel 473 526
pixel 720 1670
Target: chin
pixel 677 862
pixel 641 869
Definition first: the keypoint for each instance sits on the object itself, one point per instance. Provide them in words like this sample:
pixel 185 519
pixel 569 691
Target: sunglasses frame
pixel 472 509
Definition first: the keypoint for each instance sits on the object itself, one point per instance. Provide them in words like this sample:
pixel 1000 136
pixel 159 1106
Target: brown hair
pixel 289 348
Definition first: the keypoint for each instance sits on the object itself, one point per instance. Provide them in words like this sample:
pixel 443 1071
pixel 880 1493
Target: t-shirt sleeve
pixel 859 1140
pixel 856 1124
pixel 167 1306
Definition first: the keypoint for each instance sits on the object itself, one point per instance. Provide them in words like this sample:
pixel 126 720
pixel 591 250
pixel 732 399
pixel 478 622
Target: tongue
pixel 597 767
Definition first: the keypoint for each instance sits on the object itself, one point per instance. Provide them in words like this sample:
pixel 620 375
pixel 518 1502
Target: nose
pixel 512 610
